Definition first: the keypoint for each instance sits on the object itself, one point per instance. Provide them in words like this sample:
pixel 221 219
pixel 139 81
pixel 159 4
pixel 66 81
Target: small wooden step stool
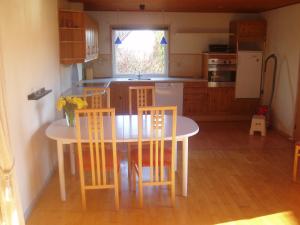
pixel 258 124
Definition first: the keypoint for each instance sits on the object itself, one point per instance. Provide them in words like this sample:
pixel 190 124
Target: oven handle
pixel 218 69
pixel 220 84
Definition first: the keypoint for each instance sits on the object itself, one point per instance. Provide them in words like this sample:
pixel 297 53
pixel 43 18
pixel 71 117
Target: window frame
pixel 167 53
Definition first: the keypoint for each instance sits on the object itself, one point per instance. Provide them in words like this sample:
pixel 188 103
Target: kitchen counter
pixel 199 101
pixel 153 79
pixel 78 90
pixel 105 82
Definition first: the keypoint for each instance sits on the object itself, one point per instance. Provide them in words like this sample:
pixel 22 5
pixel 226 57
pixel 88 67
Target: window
pixel 140 52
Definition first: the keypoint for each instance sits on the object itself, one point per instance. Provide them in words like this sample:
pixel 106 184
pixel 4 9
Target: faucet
pixel 139 76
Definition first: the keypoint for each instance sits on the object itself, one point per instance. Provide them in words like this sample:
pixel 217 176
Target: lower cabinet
pixel 203 103
pixel 119 95
pixel 195 99
pixel 200 102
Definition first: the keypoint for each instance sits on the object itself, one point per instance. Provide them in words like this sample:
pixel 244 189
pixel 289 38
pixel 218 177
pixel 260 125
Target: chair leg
pixel 117 201
pixel 172 187
pixel 169 176
pixel 120 180
pixel 129 165
pixel 83 199
pixel 116 188
pixel 133 178
pixel 176 156
pixel 173 193
pixel 295 164
pixel 140 188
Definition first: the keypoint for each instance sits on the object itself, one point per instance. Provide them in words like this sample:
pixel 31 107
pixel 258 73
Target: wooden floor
pixel 233 179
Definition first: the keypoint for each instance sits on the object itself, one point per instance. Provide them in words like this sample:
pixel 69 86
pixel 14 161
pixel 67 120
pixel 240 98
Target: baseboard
pixel 28 211
pixel 221 118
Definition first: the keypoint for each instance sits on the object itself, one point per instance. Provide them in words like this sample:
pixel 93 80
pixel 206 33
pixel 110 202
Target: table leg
pixel 60 156
pixel 185 154
pixel 72 159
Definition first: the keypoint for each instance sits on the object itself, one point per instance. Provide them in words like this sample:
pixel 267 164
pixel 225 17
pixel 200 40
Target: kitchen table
pixel 126 131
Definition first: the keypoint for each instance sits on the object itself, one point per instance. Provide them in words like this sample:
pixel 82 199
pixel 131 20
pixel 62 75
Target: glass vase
pixel 70 118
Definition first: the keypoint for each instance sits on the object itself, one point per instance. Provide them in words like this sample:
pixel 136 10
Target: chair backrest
pixel 95 97
pixel 153 120
pixel 91 130
pixel 145 96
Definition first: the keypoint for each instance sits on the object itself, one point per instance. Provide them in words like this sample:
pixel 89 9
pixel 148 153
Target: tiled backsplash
pixel 180 65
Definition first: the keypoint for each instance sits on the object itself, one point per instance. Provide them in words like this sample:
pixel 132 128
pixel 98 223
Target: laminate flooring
pixel 233 178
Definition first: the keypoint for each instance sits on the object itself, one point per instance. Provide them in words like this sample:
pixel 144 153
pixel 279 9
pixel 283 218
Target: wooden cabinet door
pixel 248 34
pixel 254 28
pixel 117 92
pixel 220 100
pixel 78 35
pixel 91 38
pixel 195 99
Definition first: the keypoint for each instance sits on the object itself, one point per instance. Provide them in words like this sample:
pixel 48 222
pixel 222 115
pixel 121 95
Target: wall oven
pixel 220 69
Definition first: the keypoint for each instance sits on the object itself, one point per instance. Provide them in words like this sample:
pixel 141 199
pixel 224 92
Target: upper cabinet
pixel 248 35
pixel 91 38
pixel 78 35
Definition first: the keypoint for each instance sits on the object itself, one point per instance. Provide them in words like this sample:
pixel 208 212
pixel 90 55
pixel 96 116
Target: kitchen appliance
pixel 263 79
pixel 220 69
pixel 267 90
pixel 169 94
pixel 220 48
pixel 248 76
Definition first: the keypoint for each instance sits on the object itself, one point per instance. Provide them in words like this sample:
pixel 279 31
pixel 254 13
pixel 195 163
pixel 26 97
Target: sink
pixel 138 79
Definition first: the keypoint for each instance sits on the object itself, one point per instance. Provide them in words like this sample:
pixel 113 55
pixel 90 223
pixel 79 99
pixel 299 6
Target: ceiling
pixel 241 6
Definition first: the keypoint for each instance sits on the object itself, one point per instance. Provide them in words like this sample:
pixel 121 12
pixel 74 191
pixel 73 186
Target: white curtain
pixel 11 212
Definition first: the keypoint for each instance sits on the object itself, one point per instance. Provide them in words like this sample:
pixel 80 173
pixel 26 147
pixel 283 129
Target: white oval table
pixel 126 131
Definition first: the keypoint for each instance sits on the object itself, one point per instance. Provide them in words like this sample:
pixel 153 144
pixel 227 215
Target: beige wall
pixel 185 48
pixel 29 45
pixel 283 39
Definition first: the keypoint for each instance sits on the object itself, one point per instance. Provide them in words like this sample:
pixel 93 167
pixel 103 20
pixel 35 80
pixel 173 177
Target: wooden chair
pixel 145 96
pixel 297 155
pixel 157 156
pixel 96 161
pixel 142 97
pixel 95 97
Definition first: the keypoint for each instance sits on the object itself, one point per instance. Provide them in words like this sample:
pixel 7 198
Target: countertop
pixel 153 79
pixel 78 90
pixel 105 82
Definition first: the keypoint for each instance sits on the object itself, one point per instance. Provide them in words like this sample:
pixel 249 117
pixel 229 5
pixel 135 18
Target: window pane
pixel 139 52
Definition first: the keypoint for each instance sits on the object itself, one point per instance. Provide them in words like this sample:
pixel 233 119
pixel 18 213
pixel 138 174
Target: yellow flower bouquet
pixel 69 105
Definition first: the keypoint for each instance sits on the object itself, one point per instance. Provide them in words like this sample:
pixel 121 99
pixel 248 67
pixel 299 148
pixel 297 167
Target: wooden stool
pixel 297 154
pixel 258 124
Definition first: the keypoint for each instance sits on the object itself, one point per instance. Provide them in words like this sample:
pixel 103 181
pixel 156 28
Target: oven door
pixel 221 67
pixel 221 78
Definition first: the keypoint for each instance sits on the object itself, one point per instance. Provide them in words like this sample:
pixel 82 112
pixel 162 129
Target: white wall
pixel 182 46
pixel 66 72
pixel 283 39
pixel 29 45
